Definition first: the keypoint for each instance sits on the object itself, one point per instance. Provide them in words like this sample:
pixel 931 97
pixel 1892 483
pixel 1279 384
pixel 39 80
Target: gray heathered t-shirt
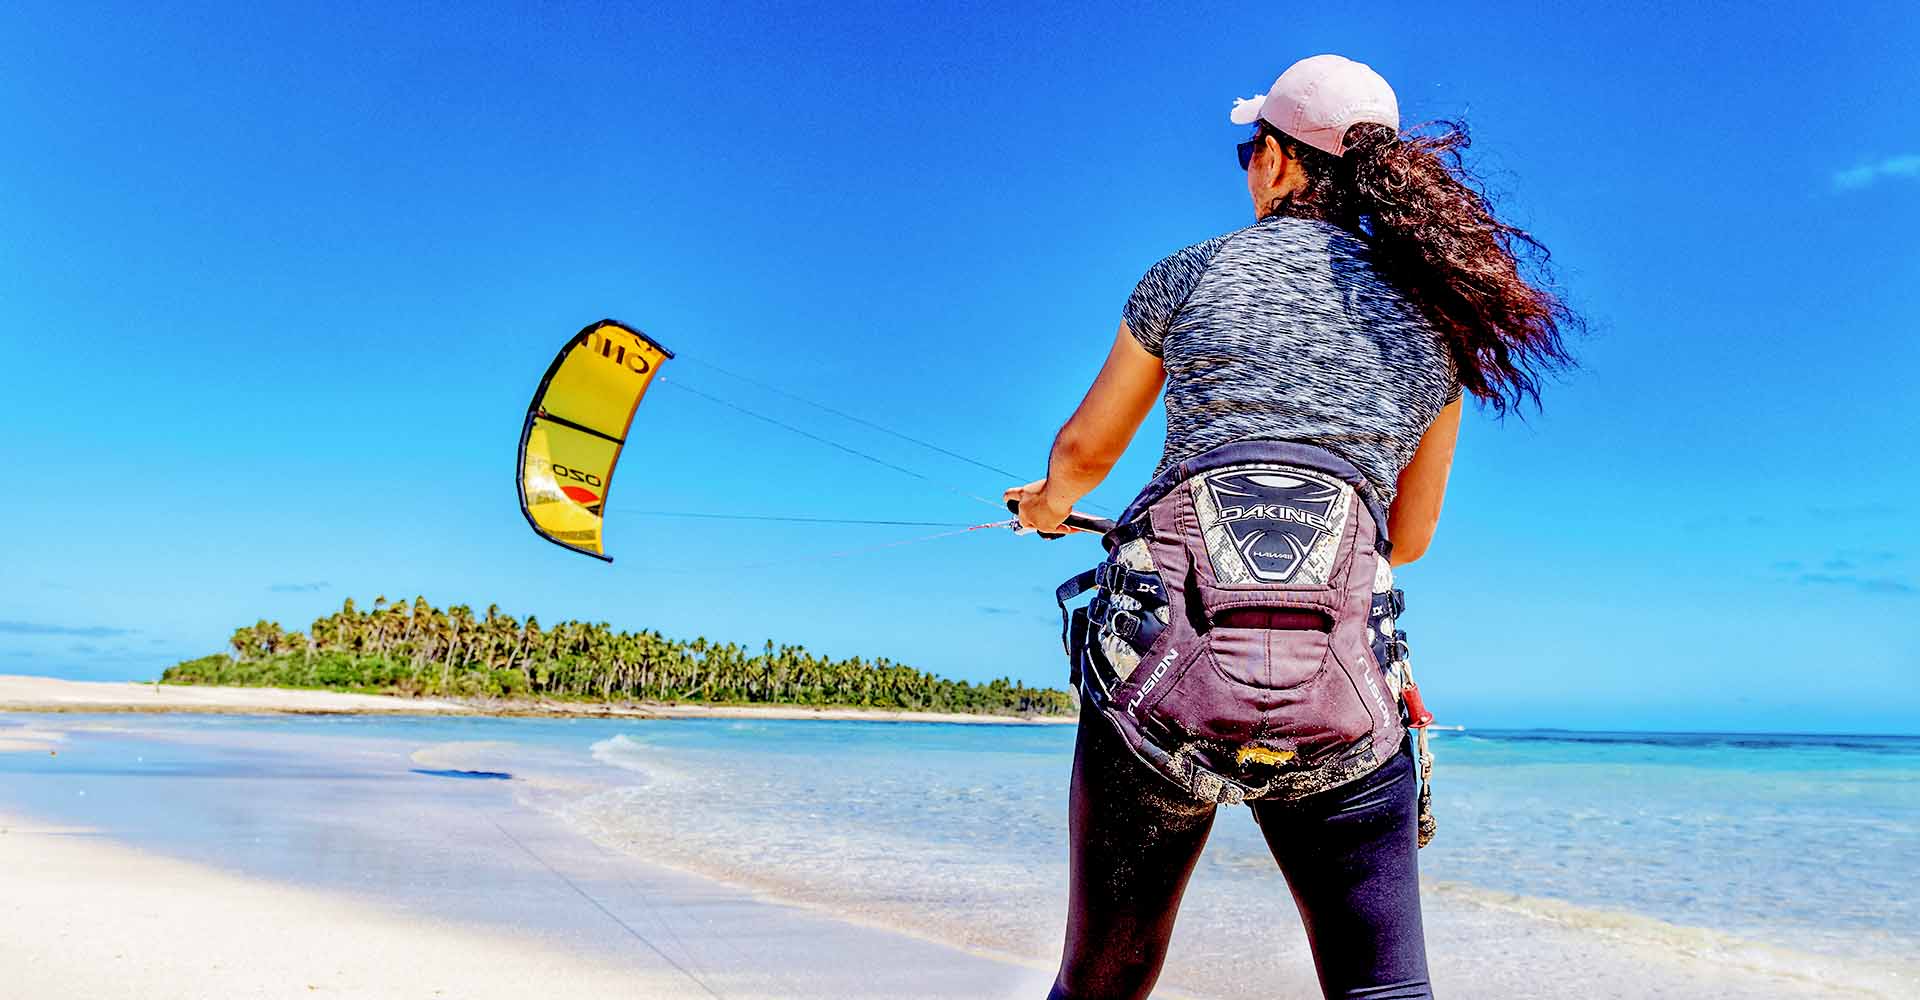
pixel 1284 330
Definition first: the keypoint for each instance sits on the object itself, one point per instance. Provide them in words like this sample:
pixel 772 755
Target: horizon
pixel 280 285
pixel 987 719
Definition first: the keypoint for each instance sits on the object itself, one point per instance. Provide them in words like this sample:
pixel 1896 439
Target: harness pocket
pixel 1295 688
pixel 1279 687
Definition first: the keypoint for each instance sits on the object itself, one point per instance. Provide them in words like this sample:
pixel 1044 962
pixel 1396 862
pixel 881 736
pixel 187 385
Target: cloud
pixel 41 628
pixel 1868 174
pixel 988 609
pixel 297 588
pixel 1870 584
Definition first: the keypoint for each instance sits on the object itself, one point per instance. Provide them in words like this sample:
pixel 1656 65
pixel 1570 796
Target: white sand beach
pixel 24 693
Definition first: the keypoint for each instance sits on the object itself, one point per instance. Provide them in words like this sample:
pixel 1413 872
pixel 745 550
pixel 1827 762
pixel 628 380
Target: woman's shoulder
pixel 1192 257
pixel 1163 291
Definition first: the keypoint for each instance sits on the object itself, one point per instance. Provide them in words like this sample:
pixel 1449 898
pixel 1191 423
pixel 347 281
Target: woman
pixel 1375 286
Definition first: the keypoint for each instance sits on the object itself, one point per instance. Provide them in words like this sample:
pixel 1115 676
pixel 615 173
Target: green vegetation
pixel 417 649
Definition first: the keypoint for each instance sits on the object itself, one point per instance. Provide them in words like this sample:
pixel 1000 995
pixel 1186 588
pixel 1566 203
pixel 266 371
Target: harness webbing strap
pixel 1077 629
pixel 1139 527
pixel 1076 586
pixel 1138 628
pixel 1067 591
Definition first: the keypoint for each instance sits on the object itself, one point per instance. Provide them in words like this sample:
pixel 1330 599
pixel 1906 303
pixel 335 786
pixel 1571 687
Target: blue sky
pixel 277 280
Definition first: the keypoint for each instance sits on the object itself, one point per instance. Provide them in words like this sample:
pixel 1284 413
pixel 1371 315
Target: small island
pixel 418 650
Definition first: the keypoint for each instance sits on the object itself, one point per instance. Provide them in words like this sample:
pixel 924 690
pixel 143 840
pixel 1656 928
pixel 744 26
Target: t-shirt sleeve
pixel 1157 299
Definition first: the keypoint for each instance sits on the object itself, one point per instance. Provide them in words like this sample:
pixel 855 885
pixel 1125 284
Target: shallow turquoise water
pixel 1805 842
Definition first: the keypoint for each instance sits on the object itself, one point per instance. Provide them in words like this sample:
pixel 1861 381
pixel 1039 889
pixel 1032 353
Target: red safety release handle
pixel 1417 715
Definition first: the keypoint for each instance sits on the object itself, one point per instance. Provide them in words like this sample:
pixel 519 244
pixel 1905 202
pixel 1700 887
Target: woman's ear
pixel 1276 159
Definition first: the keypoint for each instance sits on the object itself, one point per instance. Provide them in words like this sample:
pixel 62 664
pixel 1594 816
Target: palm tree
pixel 418 648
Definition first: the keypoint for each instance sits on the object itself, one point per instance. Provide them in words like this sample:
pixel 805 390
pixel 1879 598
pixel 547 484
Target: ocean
pixel 1790 851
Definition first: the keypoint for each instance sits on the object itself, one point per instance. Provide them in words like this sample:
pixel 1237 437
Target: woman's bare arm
pixel 1423 484
pixel 1097 434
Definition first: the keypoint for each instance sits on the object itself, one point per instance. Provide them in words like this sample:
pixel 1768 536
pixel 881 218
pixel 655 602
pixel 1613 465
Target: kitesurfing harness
pixel 1241 635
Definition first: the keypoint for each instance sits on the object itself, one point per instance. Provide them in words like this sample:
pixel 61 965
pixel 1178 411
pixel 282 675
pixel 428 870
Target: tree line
pixel 418 649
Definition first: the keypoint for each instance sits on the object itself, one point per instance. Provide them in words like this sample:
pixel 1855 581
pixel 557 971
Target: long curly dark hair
pixel 1482 283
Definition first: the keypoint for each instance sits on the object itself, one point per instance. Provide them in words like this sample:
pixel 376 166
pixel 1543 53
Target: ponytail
pixel 1434 236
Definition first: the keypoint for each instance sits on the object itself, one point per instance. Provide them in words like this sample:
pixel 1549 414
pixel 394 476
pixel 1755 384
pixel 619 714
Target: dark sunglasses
pixel 1248 148
pixel 1252 146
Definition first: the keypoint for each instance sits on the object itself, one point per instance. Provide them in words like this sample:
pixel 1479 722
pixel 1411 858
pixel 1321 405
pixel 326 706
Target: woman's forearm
pixel 1074 468
pixel 1097 434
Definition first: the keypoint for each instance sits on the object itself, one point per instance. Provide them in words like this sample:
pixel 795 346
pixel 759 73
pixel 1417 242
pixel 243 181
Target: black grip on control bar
pixel 1075 520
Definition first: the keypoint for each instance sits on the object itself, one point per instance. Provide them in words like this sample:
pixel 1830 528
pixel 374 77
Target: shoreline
pixel 27 693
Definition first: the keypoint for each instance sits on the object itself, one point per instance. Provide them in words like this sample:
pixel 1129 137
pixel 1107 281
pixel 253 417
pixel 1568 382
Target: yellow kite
pixel 575 428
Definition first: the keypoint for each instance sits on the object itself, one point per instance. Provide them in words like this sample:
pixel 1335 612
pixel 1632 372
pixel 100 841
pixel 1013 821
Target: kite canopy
pixel 575 428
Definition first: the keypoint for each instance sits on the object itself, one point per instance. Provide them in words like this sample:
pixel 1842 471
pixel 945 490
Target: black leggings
pixel 1348 854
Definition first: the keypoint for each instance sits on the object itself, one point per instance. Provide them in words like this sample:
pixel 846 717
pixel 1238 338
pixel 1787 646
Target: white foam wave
pixel 631 755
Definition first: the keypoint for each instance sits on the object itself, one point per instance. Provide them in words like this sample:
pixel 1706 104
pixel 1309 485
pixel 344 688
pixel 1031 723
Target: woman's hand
pixel 1037 509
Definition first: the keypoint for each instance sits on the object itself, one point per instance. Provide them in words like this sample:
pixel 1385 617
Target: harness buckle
pixel 1117 579
pixel 1124 624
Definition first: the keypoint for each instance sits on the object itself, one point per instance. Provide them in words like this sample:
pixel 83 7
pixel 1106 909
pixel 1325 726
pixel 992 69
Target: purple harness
pixel 1241 635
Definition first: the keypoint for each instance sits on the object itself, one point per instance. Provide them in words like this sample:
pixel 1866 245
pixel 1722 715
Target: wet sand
pixel 84 917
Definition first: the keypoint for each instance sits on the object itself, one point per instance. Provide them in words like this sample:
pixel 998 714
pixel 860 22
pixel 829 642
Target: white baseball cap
pixel 1318 98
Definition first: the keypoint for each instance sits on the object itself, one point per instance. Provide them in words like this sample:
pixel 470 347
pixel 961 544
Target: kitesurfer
pixel 1375 286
